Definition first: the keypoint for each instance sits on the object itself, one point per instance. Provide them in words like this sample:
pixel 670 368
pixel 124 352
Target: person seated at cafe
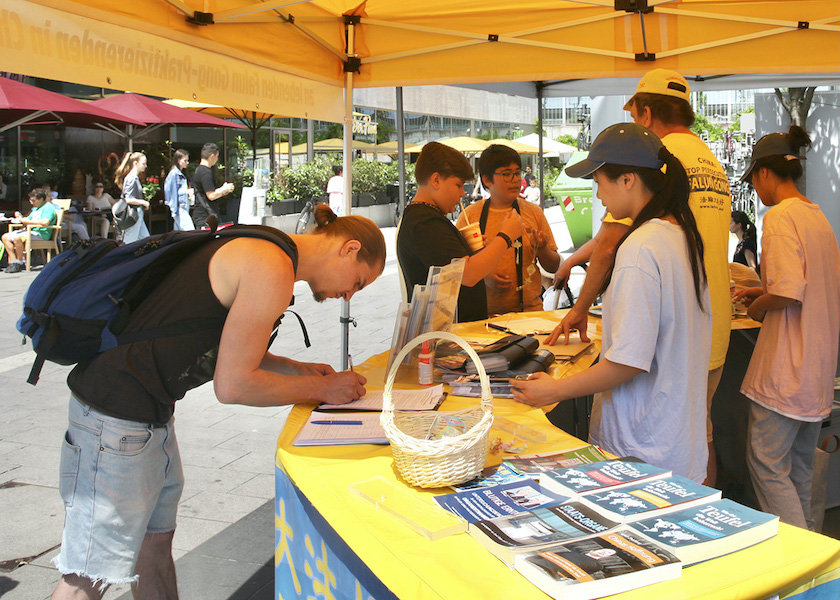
pixel 515 285
pixel 427 238
pixel 43 213
pixel 76 221
pixel 657 318
pixel 3 189
pixel 101 200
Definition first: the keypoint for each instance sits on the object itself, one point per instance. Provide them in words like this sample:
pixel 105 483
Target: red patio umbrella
pixel 154 113
pixel 24 104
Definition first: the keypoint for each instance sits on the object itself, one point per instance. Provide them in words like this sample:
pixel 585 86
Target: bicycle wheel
pixel 304 219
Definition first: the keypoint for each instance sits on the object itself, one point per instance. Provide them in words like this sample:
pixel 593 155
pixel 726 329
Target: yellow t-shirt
pixel 532 218
pixel 608 218
pixel 711 204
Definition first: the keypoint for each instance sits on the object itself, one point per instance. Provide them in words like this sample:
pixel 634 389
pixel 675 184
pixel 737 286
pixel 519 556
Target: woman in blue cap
pixel 652 376
pixel 790 379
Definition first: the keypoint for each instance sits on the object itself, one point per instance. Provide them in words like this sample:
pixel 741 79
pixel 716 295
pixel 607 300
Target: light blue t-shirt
pixel 652 321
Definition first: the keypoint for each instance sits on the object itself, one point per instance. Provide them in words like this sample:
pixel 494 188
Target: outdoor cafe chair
pixel 50 245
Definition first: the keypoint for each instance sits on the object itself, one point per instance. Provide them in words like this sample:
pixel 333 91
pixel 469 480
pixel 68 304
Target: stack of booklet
pixel 597 529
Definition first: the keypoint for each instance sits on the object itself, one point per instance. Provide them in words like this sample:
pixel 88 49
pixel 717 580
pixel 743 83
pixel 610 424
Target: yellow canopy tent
pixel 294 57
pixel 436 41
pixel 465 144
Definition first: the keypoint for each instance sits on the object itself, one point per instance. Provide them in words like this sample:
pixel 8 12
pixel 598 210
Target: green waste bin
pixel 575 196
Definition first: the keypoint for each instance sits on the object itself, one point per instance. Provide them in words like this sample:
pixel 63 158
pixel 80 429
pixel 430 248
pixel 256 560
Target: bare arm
pixel 226 189
pixel 603 257
pixel 578 257
pixel 549 258
pixel 255 279
pixel 543 390
pixel 750 256
pixel 759 307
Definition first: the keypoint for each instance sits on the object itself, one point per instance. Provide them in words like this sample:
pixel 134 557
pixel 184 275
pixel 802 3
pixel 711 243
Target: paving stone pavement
pixel 223 545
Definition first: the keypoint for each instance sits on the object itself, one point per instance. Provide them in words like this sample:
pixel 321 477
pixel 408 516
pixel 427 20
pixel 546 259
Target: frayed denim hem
pixel 100 583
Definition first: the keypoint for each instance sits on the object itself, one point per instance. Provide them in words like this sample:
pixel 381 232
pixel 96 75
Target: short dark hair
pixel 437 158
pixel 495 156
pixel 665 109
pixel 338 170
pixel 208 150
pixel 40 194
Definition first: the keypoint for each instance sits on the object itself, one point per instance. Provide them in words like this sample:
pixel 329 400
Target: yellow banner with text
pixel 40 41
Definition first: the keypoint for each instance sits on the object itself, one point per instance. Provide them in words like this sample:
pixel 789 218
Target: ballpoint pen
pixel 350 362
pixel 336 422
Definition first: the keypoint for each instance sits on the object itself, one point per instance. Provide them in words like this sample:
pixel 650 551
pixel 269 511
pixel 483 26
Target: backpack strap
pixel 192 325
pixel 517 252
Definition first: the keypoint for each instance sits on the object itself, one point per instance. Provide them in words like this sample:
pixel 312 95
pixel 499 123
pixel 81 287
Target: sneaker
pixel 15 267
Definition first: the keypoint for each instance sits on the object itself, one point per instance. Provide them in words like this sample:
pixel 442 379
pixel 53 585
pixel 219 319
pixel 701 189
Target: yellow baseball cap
pixel 663 82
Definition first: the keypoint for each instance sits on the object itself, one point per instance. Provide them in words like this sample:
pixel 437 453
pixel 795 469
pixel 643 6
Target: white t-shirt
pixel 103 203
pixel 792 368
pixel 652 321
pixel 335 191
pixel 532 194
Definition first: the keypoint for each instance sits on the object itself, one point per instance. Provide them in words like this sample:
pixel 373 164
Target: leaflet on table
pixel 608 564
pixel 531 326
pixel 600 475
pixel 489 477
pixel 426 399
pixel 336 429
pixel 709 530
pixel 534 464
pixel 649 498
pixel 499 500
pixel 508 536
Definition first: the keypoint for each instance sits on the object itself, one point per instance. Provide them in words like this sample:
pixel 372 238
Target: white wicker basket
pixel 447 461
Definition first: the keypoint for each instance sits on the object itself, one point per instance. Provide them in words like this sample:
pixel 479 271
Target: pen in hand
pixel 350 362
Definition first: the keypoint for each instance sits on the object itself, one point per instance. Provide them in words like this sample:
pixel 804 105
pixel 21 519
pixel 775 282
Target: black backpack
pixel 80 303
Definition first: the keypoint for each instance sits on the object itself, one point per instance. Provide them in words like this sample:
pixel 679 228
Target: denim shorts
pixel 119 480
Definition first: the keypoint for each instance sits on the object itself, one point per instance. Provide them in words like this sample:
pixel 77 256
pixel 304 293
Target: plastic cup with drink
pixel 472 233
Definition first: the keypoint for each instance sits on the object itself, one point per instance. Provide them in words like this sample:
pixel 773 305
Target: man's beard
pixel 319 296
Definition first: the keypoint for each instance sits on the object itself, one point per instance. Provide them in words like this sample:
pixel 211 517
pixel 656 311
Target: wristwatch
pixel 506 238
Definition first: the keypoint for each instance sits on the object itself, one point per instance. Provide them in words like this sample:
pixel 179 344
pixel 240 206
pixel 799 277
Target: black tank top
pixel 141 381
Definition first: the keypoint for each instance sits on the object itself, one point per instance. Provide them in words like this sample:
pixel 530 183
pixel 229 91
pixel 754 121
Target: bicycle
pixel 307 215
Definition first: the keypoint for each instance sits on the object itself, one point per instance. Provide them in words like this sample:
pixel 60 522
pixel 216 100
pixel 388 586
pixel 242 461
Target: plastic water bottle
pixel 425 365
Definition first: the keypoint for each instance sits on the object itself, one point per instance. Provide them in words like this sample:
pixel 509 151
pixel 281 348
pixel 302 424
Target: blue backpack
pixel 81 301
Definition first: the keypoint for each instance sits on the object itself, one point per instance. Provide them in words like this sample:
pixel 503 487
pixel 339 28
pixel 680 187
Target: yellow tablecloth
pixel 457 567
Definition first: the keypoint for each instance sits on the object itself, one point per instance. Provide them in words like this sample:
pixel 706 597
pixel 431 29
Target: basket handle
pixel 486 398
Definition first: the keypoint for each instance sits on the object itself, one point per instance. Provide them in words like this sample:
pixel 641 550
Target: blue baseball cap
pixel 621 144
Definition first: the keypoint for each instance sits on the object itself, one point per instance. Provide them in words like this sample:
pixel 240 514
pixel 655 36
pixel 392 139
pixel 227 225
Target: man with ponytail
pixel 121 468
pixel 790 379
pixel 651 379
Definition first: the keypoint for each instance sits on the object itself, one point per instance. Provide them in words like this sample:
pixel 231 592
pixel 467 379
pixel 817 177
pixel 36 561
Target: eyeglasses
pixel 99 186
pixel 509 176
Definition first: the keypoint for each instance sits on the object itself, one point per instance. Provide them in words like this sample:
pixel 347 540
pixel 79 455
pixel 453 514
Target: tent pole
pixel 130 136
pixel 401 149
pixel 254 141
pixel 541 160
pixel 310 140
pixel 346 319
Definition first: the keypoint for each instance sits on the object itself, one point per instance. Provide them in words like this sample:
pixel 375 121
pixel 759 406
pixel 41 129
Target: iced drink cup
pixel 472 233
